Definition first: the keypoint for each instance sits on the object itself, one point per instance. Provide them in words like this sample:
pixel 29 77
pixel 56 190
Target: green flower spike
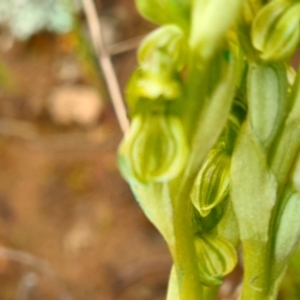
pixel 212 183
pixel 154 150
pixel 216 256
pixel 276 30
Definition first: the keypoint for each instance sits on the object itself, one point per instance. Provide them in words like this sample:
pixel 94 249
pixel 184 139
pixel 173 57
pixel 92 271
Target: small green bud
pixel 216 258
pixel 212 182
pixel 171 40
pixel 155 149
pixel 276 31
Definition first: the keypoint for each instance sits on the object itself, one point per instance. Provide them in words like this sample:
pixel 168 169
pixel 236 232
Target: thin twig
pixel 41 265
pixel 27 286
pixel 136 273
pixel 18 129
pixel 125 46
pixel 105 63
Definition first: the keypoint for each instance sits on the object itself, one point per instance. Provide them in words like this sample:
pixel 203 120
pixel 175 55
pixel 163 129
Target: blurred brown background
pixel 63 202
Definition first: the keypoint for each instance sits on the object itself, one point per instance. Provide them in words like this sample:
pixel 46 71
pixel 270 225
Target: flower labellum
pixel 211 186
pixel 154 150
pixel 276 31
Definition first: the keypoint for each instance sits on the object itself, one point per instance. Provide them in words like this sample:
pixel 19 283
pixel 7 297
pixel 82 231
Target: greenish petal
pixel 275 30
pixel 265 21
pixel 212 182
pixel 216 258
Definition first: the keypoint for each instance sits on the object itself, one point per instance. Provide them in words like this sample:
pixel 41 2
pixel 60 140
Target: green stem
pixel 257 277
pixel 184 253
pixel 210 293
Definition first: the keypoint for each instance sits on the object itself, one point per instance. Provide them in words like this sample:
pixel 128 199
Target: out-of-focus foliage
pixel 26 17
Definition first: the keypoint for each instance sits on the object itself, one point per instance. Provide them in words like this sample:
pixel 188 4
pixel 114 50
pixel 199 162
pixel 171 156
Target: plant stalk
pixel 257 277
pixel 184 252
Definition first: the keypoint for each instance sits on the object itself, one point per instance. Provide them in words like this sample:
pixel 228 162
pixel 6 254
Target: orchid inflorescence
pixel 212 151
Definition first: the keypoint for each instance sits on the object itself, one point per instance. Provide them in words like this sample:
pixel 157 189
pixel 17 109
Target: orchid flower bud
pixel 154 150
pixel 216 258
pixel 276 30
pixel 212 182
pixel 171 40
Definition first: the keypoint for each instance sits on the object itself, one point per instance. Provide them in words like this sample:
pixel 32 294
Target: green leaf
pixel 227 227
pixel 212 119
pixel 155 201
pixel 173 291
pixel 253 187
pixel 281 163
pixel 288 231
